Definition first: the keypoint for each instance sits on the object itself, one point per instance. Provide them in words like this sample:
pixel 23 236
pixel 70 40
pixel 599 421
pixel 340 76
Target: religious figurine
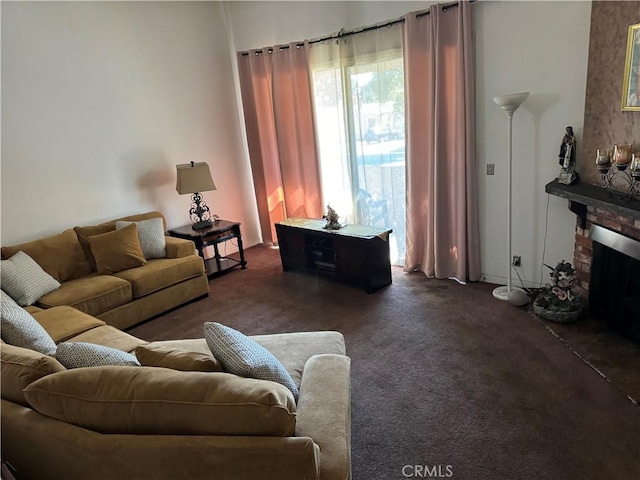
pixel 332 219
pixel 567 158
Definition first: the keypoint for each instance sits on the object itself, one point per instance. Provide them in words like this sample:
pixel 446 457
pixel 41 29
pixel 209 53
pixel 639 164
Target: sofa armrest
pixel 324 412
pixel 179 247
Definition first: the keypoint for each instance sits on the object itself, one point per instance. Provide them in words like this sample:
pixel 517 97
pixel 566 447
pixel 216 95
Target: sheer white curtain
pixel 358 86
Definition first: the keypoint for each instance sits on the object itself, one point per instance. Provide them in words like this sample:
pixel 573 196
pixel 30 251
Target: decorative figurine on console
pixel 332 219
pixel 568 158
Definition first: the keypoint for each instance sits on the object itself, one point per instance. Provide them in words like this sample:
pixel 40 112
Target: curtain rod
pixel 342 33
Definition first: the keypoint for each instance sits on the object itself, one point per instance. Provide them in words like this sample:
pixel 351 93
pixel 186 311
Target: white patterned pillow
pixel 83 354
pixel 19 328
pixel 151 236
pixel 24 280
pixel 6 300
pixel 242 356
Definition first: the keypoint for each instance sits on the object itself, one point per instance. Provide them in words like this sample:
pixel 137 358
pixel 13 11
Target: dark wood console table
pixel 355 253
pixel 221 231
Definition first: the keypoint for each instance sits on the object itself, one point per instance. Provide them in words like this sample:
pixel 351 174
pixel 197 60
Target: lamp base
pixel 202 225
pixel 517 296
pixel 501 293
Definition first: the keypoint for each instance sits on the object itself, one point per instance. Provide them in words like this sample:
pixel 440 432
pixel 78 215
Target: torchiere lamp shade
pixel 194 178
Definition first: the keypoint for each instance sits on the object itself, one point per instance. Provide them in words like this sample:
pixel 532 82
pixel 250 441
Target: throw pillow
pixel 242 356
pixel 151 236
pixel 24 280
pixel 89 231
pixel 19 328
pixel 61 255
pixel 20 367
pixel 160 401
pixel 6 300
pixel 117 250
pixel 177 359
pixel 82 354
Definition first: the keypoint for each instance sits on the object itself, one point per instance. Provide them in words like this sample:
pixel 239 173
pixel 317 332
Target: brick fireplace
pixel 606 217
pixel 594 205
pixel 606 253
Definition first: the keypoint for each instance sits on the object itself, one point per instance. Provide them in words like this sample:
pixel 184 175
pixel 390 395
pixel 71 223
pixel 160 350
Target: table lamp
pixel 195 178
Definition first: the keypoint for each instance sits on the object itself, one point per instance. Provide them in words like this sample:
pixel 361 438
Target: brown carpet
pixel 442 374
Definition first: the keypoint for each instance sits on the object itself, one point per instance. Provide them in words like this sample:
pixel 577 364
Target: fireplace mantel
pixel 581 195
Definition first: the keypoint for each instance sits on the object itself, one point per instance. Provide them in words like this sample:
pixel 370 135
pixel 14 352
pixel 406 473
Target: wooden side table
pixel 220 232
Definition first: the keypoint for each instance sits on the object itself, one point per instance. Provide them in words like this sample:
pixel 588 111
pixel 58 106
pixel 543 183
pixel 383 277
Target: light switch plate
pixel 491 168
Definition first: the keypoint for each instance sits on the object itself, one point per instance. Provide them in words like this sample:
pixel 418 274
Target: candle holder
pixel 623 181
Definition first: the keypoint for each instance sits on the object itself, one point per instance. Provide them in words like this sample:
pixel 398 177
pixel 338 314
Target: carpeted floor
pixel 442 375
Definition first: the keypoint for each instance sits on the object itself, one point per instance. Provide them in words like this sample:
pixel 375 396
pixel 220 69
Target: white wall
pixel 100 101
pixel 535 46
pixel 540 47
pixel 257 24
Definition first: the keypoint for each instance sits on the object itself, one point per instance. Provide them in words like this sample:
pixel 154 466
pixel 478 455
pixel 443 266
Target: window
pixel 359 106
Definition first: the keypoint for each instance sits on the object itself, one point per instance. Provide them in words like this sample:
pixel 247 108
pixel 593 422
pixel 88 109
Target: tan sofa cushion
pixel 62 323
pixel 110 337
pixel 117 250
pixel 61 256
pixel 20 367
pixel 177 359
pixel 147 401
pixel 160 273
pixel 93 294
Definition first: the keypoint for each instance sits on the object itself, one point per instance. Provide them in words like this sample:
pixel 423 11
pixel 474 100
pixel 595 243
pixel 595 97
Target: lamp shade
pixel 194 178
pixel 510 103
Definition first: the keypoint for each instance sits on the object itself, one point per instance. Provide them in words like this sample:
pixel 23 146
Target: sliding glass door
pixel 359 107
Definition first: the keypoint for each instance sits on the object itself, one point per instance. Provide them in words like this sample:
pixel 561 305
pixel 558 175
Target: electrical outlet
pixel 517 261
pixel 491 168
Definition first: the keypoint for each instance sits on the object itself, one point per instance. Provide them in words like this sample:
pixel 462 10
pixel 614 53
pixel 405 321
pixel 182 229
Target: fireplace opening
pixel 614 287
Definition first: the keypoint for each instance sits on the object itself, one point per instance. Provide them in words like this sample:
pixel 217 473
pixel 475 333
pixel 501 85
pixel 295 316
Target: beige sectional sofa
pixel 121 298
pixel 211 425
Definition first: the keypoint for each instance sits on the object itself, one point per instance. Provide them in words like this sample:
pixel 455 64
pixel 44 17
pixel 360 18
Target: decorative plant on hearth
pixel 558 300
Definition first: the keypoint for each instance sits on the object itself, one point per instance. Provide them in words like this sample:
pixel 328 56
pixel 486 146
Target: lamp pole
pixel 509 103
pixel 509 195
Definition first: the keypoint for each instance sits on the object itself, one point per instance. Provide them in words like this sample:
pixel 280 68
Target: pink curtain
pixel 442 210
pixel 278 111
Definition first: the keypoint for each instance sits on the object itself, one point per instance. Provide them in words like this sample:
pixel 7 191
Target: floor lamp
pixel 510 103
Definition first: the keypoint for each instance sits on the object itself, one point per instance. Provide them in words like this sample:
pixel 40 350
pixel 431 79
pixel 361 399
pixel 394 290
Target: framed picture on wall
pixel 631 83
